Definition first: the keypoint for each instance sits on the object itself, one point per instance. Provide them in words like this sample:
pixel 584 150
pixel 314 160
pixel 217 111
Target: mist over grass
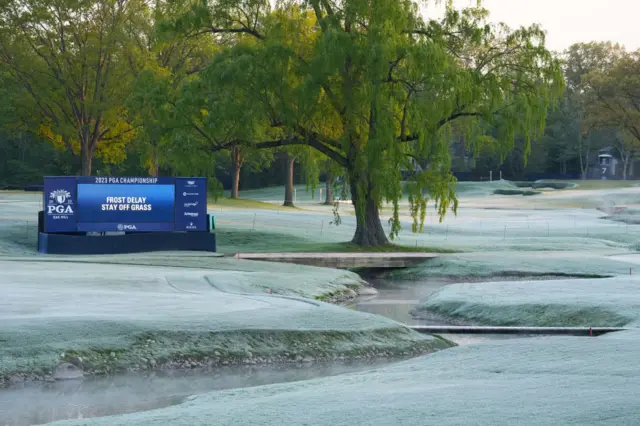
pixel 543 381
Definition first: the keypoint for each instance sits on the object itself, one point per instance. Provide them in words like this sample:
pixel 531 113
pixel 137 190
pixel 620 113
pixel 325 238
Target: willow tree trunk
pixel 329 189
pixel 288 188
pixel 236 161
pixel 369 231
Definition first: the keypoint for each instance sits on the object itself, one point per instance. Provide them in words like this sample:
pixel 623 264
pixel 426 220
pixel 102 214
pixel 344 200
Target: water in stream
pixel 397 298
pixel 38 403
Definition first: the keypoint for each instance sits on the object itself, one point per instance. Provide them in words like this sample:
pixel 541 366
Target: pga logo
pixel 59 202
pixel 122 227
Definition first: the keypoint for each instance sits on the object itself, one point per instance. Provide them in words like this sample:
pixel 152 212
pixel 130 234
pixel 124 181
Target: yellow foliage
pixel 58 142
pixel 113 147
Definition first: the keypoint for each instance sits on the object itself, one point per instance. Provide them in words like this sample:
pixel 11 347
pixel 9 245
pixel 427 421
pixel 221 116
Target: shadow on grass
pixel 243 203
pixel 237 241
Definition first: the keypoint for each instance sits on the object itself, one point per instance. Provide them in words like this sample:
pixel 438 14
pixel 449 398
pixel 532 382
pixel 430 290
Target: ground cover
pixel 543 381
pixel 107 318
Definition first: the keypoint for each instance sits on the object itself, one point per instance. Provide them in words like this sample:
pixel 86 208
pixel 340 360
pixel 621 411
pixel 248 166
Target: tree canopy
pixel 614 102
pixel 371 85
pixel 69 58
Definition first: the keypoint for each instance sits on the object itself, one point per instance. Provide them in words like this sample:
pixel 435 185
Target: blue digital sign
pixel 132 204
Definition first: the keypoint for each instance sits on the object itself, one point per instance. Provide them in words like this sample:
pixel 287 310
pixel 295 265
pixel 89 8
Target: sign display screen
pixel 132 204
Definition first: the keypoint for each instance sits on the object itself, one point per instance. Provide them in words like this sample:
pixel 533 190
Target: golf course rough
pixel 106 318
pixel 541 381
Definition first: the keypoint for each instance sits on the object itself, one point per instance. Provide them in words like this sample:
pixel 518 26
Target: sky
pixel 569 21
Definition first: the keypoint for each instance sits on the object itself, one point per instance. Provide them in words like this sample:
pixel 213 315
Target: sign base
pixel 127 243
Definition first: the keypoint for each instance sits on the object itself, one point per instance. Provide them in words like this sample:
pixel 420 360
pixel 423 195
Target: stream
pixel 38 403
pixel 396 299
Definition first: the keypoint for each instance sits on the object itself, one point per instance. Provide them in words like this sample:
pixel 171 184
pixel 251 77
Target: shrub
pixel 515 192
pixel 553 185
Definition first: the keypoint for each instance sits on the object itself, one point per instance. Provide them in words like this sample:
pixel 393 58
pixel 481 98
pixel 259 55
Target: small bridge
pixel 548 331
pixel 344 260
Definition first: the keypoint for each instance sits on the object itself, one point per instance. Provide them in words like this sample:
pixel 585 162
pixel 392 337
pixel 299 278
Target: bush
pixel 553 185
pixel 515 192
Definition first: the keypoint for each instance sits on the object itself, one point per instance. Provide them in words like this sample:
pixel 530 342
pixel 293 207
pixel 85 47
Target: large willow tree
pixel 375 88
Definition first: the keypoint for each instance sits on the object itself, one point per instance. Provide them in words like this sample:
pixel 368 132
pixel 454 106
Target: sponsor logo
pixel 191 182
pixel 122 227
pixel 194 204
pixel 60 203
pixel 184 194
pixel 192 214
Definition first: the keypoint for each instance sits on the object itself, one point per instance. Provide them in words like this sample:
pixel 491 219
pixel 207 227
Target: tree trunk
pixel 86 158
pixel 288 188
pixel 625 166
pixel 329 189
pixel 236 161
pixel 369 231
pixel 583 171
pixel 154 164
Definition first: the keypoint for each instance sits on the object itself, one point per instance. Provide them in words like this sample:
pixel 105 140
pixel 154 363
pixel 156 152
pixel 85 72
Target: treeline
pixel 599 111
pixel 368 91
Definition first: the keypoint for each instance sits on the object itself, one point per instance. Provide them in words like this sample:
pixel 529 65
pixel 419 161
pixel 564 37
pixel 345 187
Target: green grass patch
pixel 527 315
pixel 236 241
pixel 390 248
pixel 243 203
pixel 151 350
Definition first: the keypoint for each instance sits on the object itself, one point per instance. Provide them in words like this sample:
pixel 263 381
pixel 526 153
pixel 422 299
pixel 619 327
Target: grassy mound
pixel 609 302
pixel 185 349
pixel 473 189
pixel 510 263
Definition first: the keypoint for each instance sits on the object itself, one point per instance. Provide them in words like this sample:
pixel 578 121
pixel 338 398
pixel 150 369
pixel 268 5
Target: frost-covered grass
pixel 483 223
pixel 606 302
pixel 521 263
pixel 541 381
pixel 150 310
pixel 232 274
pixel 601 184
pixel 167 307
pixel 117 316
